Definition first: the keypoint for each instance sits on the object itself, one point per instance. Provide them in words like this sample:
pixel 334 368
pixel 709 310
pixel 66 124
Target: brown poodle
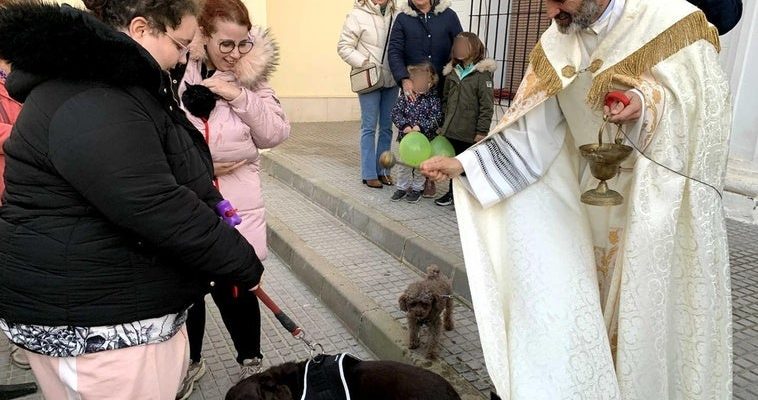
pixel 366 380
pixel 424 302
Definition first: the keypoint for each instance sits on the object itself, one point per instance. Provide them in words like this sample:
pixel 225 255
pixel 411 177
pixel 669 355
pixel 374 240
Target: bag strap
pixel 387 41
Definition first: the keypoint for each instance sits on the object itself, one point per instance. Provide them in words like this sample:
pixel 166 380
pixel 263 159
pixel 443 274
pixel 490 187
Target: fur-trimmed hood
pixel 371 8
pixel 438 7
pixel 48 41
pixel 255 66
pixel 486 65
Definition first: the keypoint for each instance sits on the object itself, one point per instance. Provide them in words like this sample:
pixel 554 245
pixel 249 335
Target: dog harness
pixel 325 377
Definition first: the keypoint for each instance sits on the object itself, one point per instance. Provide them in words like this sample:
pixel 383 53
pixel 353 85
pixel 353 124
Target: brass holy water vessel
pixel 605 162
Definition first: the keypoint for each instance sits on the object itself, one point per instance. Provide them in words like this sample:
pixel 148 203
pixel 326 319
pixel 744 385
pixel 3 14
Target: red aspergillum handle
pixel 617 97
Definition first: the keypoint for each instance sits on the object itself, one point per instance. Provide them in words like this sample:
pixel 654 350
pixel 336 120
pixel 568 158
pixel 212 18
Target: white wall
pixel 739 56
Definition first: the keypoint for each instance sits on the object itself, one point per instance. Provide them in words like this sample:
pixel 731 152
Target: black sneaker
pixel 444 201
pixel 414 196
pixel 399 194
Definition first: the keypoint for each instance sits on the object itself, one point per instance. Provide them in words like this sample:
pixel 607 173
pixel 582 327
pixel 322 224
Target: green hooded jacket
pixel 468 103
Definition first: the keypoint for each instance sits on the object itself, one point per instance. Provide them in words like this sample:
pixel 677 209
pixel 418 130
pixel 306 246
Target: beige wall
pixel 257 9
pixel 308 32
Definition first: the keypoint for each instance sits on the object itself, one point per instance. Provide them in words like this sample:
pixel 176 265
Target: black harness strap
pixel 325 377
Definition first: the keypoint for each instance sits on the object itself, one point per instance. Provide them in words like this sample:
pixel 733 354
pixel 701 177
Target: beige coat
pixel 364 36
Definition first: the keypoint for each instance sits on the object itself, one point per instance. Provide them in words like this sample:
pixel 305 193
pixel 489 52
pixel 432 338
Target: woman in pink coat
pixel 234 60
pixel 9 110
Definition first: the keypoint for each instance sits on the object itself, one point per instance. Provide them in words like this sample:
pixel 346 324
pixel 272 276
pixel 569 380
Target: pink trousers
pixel 153 372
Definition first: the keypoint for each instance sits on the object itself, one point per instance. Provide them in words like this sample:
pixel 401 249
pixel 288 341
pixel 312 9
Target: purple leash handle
pixel 228 213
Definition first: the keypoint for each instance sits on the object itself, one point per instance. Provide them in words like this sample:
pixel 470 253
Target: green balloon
pixel 442 147
pixel 415 149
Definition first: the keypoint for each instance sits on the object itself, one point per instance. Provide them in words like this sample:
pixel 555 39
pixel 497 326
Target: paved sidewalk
pixel 277 345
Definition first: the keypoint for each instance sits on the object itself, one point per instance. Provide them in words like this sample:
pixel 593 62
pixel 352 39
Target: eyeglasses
pixel 183 50
pixel 228 46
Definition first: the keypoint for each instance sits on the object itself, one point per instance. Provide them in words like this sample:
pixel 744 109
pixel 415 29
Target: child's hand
pixel 479 137
pixel 416 128
pixel 407 129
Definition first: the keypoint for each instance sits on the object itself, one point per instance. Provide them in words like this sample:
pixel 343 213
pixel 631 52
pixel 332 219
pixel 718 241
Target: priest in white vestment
pixel 627 302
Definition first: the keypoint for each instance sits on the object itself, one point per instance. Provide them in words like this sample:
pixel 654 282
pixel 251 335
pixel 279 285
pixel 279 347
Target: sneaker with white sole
pixel 250 367
pixel 446 200
pixel 195 371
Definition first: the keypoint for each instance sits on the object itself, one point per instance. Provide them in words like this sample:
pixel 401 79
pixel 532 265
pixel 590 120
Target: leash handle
pixel 288 324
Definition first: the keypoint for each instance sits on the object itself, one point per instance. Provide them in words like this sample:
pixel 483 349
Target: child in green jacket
pixel 468 99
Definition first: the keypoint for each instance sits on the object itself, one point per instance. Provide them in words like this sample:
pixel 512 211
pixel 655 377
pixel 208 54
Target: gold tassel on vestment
pixel 687 31
pixel 548 80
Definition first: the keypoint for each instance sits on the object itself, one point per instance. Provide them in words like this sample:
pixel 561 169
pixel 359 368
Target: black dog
pixel 367 380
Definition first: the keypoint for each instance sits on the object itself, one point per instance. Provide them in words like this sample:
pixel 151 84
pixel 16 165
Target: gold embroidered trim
pixel 568 71
pixel 549 81
pixel 595 66
pixel 687 31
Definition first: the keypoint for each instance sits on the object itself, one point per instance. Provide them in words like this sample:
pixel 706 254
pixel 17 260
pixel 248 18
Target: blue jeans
pixel 376 108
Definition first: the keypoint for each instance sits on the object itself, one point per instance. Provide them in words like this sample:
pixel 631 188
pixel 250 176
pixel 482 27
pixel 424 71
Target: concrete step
pixel 409 232
pixel 361 283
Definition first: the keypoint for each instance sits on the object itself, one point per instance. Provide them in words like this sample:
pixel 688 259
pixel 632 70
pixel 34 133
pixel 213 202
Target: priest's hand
pixel 621 114
pixel 441 168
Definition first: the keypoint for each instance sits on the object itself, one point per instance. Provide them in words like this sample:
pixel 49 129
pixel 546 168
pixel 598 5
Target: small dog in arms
pixel 428 302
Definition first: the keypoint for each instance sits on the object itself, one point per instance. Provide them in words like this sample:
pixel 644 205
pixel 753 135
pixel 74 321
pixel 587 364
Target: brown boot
pixel 430 189
pixel 373 183
pixel 386 180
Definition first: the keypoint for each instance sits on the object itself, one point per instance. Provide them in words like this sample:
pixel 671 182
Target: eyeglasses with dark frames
pixel 228 46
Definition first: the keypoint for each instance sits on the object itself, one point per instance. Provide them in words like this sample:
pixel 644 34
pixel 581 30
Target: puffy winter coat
pixel 107 216
pixel 238 129
pixel 469 103
pixel 418 37
pixel 9 110
pixel 364 36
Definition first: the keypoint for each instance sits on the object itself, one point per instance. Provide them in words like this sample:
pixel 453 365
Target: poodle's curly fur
pixel 424 303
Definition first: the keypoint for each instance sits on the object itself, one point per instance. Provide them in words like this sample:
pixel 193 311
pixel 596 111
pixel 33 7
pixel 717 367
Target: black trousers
pixel 459 147
pixel 241 316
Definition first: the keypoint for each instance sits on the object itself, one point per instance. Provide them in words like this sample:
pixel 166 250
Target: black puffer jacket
pixel 108 212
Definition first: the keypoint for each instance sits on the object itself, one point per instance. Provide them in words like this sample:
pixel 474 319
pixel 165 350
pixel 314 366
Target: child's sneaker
pixel 430 189
pixel 399 194
pixel 414 196
pixel 445 200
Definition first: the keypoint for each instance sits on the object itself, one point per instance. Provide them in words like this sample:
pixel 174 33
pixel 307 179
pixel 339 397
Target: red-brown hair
pixel 223 10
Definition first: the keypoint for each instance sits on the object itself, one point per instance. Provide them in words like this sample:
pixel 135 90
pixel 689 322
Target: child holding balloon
pixel 468 98
pixel 423 115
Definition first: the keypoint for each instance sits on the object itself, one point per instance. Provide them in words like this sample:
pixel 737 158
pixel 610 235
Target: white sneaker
pixel 250 367
pixel 18 358
pixel 195 371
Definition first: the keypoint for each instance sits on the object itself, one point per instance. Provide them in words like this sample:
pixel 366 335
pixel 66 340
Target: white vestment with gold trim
pixel 629 302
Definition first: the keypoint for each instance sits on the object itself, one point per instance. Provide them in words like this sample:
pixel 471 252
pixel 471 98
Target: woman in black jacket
pixel 107 231
pixel 424 31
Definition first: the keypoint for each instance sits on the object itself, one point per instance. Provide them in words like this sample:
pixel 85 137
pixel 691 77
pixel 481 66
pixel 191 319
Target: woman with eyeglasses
pixel 234 59
pixel 108 231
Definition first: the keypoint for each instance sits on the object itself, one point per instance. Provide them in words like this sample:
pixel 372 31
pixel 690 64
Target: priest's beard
pixel 585 16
